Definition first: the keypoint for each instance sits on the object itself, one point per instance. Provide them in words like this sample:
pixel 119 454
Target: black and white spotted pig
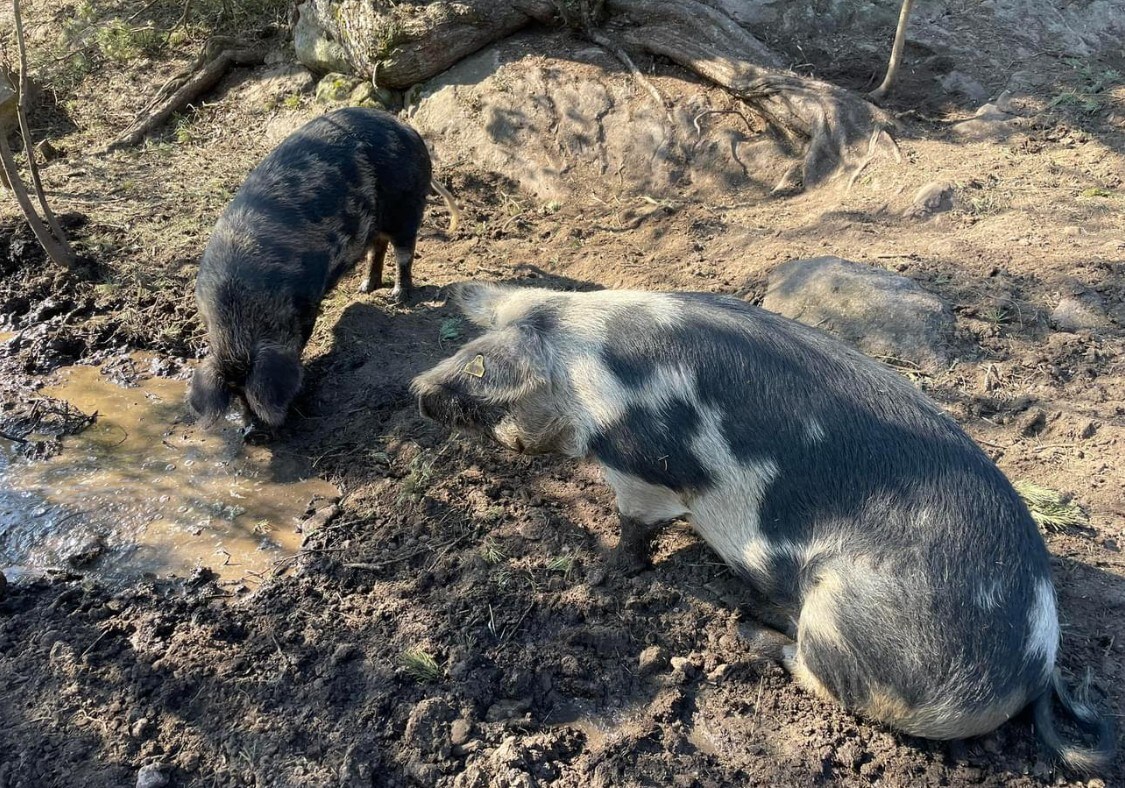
pixel 348 182
pixel 908 573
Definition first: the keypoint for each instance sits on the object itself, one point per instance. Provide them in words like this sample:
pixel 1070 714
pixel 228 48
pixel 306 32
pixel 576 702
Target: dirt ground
pixel 544 670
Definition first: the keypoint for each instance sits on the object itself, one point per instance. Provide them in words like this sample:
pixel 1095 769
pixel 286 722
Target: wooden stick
pixel 896 53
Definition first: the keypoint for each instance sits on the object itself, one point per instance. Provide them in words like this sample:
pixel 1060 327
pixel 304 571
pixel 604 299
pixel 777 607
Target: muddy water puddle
pixel 140 491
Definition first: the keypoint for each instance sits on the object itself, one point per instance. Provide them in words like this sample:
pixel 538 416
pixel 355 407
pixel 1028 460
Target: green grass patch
pixel 1050 509
pixel 421 666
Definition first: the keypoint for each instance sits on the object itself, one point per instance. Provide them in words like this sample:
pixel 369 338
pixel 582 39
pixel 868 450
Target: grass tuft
pixel 1051 510
pixel 421 666
pixel 561 564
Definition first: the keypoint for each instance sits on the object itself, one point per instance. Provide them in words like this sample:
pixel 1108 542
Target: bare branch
pixel 68 257
pixel 57 253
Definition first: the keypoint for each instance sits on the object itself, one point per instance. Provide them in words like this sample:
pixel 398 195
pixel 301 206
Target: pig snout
pixel 456 409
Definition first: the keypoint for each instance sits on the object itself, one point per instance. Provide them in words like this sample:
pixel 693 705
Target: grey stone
pixel 313 47
pixel 364 96
pixel 335 87
pixel 992 121
pixel 957 82
pixel 151 776
pixel 1080 312
pixel 883 314
pixel 426 724
pixel 933 198
pixel 507 709
pixel 460 731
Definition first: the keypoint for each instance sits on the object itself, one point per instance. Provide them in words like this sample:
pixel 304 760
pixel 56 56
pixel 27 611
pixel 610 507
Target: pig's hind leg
pixel 404 259
pixel 374 264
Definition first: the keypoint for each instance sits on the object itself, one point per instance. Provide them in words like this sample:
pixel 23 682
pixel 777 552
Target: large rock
pixel 316 51
pixel 565 122
pixel 884 314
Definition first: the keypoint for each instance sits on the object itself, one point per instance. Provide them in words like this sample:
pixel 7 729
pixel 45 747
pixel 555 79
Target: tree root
pixel 605 42
pixel 828 127
pixel 217 58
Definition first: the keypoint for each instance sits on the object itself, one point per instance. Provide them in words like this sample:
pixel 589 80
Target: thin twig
pixel 96 641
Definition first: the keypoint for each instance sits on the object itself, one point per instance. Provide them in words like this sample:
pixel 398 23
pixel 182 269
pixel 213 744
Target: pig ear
pixel 209 396
pixel 273 383
pixel 505 365
pixel 478 301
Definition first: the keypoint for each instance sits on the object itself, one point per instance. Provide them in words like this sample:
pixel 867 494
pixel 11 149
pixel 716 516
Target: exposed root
pixel 829 127
pixel 613 48
pixel 217 58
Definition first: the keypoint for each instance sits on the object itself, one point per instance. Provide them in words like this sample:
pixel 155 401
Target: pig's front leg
pixel 644 510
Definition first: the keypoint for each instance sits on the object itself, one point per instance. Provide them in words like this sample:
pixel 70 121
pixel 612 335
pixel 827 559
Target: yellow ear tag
pixel 475 367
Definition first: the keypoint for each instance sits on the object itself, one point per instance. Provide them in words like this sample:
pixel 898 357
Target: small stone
pixel 1111 545
pixel 503 710
pixel 47 151
pixel 1089 430
pixel 652 660
pixel 364 96
pixel 683 664
pixel 86 552
pixel 1084 312
pixel 139 728
pixel 426 720
pixel 151 776
pixel 335 87
pixel 1033 422
pixel 460 732
pixel 933 198
pixel 423 773
pixel 719 673
pixel 957 82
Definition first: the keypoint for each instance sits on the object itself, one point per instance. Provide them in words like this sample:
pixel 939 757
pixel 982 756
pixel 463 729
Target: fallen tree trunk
pixel 401 44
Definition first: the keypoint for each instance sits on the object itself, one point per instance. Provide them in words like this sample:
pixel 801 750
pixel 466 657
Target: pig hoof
pixel 400 296
pixel 256 434
pixel 366 286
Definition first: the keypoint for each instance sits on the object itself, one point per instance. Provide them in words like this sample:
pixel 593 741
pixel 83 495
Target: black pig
pixel 348 182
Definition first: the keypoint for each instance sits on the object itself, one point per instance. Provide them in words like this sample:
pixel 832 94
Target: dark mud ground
pixel 546 674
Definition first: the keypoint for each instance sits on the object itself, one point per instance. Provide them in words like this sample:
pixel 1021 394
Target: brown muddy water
pixel 141 491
